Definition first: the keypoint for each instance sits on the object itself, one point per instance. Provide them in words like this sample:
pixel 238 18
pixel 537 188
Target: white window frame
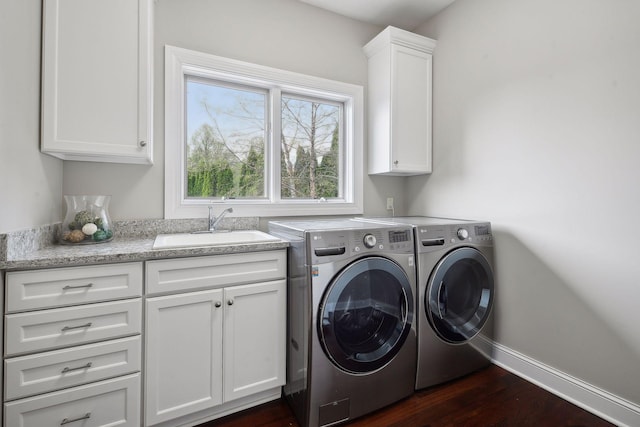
pixel 180 62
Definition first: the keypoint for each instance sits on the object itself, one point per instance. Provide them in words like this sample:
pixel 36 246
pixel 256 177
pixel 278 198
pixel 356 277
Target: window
pixel 267 142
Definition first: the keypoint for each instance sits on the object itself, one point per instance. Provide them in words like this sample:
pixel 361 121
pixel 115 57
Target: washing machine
pixel 455 296
pixel 351 318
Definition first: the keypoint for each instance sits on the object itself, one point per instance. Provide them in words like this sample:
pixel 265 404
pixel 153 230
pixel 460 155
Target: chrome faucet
pixel 213 221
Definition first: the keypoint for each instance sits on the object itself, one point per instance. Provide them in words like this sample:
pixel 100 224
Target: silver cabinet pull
pixel 230 302
pixel 68 369
pixel 218 304
pixel 73 420
pixel 142 143
pixel 88 285
pixel 68 328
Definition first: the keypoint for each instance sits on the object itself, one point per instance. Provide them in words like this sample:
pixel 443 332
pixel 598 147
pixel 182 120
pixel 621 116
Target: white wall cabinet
pixel 400 93
pixel 97 80
pixel 220 347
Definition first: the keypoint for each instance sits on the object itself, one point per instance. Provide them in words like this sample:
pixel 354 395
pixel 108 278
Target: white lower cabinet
pixel 254 338
pixel 214 341
pixel 73 346
pixel 184 354
pixel 214 351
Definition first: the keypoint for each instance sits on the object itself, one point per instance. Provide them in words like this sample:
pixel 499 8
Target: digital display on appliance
pixel 482 230
pixel 398 236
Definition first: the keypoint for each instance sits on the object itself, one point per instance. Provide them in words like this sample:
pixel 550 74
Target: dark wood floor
pixel 491 397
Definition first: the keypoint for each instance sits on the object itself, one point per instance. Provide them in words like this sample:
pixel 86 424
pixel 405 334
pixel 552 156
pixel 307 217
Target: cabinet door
pixel 96 92
pixel 254 338
pixel 410 110
pixel 183 354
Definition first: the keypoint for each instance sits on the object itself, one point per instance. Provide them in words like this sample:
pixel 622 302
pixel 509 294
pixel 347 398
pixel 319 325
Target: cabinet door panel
pixel 96 82
pixel 411 110
pixel 184 354
pixel 254 338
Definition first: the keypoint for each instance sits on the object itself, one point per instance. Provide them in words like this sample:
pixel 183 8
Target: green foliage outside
pixel 220 165
pixel 213 170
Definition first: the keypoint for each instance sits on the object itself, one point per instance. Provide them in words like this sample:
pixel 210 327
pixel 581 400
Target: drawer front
pixel 55 370
pixel 63 327
pixel 55 287
pixel 114 402
pixel 182 274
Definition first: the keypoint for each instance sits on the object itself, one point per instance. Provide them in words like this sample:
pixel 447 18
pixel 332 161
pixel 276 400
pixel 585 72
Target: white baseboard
pixel 599 402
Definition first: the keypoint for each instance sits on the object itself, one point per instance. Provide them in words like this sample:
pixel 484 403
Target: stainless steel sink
pixel 220 238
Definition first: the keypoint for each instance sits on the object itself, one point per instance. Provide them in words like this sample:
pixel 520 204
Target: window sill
pixel 264 210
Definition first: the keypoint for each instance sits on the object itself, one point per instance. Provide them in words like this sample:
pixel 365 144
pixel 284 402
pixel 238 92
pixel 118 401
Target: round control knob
pixel 369 240
pixel 462 233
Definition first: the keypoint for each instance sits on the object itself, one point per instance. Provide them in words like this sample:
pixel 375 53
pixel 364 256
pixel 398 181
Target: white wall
pixel 537 129
pixel 30 182
pixel 285 34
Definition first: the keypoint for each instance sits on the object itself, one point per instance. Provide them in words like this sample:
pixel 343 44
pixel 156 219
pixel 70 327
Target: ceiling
pixel 405 14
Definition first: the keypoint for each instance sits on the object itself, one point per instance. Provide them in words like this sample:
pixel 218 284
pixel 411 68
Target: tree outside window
pixel 226 134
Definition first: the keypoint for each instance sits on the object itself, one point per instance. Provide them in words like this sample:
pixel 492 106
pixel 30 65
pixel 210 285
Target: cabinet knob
pixel 395 162
pixel 218 304
pixel 230 302
pixel 142 143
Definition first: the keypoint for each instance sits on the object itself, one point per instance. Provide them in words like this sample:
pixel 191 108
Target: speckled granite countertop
pixel 122 250
pixel 133 242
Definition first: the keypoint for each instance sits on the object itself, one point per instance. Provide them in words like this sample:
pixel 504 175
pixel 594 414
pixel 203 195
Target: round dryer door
pixel 459 295
pixel 366 314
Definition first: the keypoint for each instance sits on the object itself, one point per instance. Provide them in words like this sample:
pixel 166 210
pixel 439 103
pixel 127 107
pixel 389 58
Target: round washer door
pixel 460 295
pixel 366 314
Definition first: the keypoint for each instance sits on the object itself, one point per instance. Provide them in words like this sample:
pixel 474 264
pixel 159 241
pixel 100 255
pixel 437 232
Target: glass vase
pixel 87 221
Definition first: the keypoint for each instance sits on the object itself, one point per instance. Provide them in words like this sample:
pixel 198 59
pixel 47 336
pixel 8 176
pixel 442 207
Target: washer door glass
pixel 459 295
pixel 366 314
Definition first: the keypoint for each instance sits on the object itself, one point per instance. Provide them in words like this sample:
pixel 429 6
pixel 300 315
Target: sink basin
pixel 220 238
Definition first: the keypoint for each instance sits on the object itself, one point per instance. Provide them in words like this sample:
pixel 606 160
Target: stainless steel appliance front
pixel 351 329
pixel 455 296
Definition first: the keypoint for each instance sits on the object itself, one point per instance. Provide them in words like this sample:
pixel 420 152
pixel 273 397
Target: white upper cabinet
pixel 97 81
pixel 400 67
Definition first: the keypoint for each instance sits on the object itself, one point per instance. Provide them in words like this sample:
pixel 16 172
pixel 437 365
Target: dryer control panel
pixel 438 236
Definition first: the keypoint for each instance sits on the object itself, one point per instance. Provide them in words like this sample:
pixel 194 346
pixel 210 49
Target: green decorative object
pixel 82 218
pixel 99 235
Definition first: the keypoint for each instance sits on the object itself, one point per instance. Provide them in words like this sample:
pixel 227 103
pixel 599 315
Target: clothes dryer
pixel 455 296
pixel 351 327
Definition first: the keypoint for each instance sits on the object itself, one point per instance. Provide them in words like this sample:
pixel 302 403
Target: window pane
pixel 311 146
pixel 225 137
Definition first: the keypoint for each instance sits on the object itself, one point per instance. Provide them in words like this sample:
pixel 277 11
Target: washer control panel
pixel 327 245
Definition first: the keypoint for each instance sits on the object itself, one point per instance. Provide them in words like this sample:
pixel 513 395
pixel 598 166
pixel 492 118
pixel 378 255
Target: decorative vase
pixel 87 221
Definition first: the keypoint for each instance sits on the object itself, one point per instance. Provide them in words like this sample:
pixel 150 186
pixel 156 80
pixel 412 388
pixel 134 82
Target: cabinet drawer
pixel 29 290
pixel 63 327
pixel 54 370
pixel 184 274
pixel 114 402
